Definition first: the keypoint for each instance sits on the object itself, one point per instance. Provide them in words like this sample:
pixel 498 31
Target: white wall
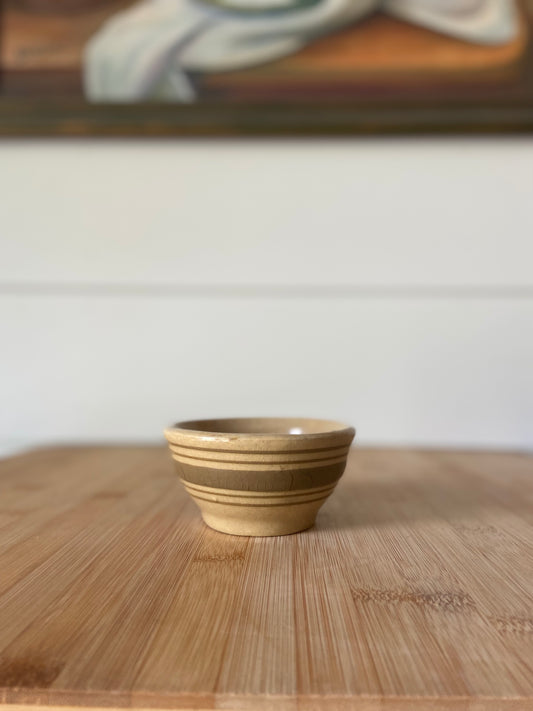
pixel 385 282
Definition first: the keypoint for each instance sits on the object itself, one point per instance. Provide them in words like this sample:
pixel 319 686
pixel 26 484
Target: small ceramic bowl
pixel 260 476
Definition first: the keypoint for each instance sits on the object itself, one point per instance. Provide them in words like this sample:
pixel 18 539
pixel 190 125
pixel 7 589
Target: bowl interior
pixel 264 426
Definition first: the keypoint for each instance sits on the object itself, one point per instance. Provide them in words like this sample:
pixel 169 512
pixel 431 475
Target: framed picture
pixel 298 67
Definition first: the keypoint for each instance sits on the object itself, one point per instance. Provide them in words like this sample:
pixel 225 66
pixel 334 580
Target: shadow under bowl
pixel 265 476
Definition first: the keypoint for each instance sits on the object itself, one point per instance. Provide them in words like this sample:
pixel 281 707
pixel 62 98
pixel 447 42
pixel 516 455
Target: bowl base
pixel 258 513
pixel 257 529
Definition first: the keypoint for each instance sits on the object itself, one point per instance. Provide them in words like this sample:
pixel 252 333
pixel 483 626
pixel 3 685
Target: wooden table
pixel 414 590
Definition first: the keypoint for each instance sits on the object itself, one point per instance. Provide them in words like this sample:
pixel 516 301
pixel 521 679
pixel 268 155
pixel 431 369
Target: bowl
pixel 260 476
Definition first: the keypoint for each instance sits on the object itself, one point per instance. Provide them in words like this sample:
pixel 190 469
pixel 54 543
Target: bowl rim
pixel 337 428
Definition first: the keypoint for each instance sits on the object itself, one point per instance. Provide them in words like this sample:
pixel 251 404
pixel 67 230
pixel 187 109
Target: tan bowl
pixel 260 476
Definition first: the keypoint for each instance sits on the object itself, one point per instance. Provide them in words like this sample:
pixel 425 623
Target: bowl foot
pixel 258 513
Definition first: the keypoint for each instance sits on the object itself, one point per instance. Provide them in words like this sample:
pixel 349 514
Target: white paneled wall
pixel 388 283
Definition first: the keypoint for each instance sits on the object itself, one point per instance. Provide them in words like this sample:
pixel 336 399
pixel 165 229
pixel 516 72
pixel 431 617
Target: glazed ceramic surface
pixel 260 476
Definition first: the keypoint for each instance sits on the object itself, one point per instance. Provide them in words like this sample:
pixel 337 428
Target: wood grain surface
pixel 413 591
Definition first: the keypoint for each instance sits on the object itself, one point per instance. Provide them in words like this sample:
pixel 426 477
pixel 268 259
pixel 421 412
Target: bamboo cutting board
pixel 414 590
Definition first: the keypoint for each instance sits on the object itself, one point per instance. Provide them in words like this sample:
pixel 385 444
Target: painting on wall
pixel 265 66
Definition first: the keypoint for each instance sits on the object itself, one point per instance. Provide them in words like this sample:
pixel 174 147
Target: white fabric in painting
pixel 147 51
